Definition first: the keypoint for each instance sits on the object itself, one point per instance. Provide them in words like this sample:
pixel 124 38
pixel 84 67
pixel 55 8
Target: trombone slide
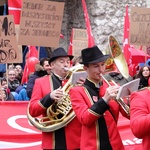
pixel 120 101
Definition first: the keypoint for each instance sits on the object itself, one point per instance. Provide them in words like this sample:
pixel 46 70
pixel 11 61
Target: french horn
pixel 60 113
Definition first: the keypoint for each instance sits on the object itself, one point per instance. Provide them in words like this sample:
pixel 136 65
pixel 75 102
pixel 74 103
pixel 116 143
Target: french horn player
pixel 59 129
pixel 94 105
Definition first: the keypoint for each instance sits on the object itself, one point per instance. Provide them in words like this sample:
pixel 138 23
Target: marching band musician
pixel 140 116
pixel 47 90
pixel 94 107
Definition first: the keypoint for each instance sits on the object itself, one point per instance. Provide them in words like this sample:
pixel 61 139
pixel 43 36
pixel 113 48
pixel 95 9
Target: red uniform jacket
pixel 84 107
pixel 39 102
pixel 149 82
pixel 140 116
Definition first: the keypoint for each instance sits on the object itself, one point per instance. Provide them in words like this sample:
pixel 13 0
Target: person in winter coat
pixel 140 116
pixel 13 83
pixel 22 95
pixel 144 75
pixel 41 70
pixel 19 72
pixel 95 107
pixel 5 91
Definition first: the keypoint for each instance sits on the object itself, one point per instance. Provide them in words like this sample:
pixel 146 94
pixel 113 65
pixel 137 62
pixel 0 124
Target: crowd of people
pixel 94 104
pixel 11 81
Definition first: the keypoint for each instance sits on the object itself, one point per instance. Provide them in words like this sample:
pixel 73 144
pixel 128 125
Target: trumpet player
pixel 46 91
pixel 94 105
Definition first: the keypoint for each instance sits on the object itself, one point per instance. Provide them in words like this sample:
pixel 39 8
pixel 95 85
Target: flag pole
pixel 7 73
pixel 39 52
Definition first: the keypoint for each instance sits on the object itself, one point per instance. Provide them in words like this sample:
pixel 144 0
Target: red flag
pixel 127 53
pixel 25 75
pixel 70 44
pixel 88 26
pixel 126 45
pixel 14 8
pixel 132 66
pixel 32 53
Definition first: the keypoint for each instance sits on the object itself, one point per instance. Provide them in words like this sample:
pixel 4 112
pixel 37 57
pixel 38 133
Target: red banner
pixel 15 130
pixel 17 133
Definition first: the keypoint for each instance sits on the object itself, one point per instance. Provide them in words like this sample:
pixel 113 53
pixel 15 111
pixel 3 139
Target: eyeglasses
pixel 11 74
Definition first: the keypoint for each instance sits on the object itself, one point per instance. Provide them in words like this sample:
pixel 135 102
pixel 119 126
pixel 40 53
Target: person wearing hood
pixel 41 69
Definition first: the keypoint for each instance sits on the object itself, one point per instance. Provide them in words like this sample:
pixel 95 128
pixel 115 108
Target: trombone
pixel 120 101
pixel 120 62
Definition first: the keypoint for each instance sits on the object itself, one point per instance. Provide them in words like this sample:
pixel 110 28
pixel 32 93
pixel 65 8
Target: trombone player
pixel 94 105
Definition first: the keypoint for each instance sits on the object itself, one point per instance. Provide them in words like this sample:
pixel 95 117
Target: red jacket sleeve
pixel 140 115
pixel 40 99
pixel 83 107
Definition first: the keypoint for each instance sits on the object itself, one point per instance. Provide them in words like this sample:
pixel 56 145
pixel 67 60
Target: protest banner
pixel 9 52
pixel 2 2
pixel 17 133
pixel 139 26
pixel 40 23
pixel 80 41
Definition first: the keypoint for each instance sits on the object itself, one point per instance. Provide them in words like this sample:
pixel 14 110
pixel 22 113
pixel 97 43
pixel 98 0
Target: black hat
pixel 59 52
pixel 92 55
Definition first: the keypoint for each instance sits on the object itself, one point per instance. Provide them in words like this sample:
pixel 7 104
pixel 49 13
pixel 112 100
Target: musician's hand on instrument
pixel 80 81
pixel 111 92
pixel 57 94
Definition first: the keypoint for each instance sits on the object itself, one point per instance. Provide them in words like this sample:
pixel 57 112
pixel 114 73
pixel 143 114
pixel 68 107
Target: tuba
pixel 60 113
pixel 119 61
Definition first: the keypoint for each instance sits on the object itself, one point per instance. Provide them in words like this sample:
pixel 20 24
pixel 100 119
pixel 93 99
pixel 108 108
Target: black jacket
pixel 40 72
pixel 13 85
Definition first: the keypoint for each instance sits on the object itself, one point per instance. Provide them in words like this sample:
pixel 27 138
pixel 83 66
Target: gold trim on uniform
pixel 41 105
pixel 88 95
